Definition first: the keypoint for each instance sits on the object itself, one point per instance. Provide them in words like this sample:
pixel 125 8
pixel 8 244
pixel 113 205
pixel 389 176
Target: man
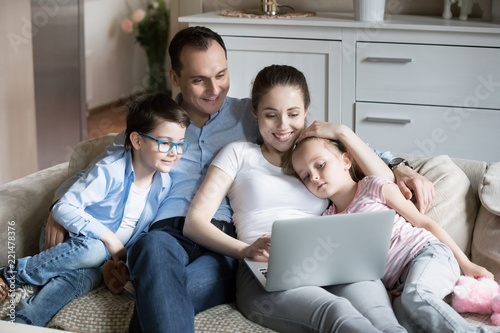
pixel 173 277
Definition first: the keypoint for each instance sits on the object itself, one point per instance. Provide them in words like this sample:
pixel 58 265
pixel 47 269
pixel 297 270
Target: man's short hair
pixel 199 37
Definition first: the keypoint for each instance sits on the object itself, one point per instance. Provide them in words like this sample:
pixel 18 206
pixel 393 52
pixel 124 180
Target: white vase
pixel 369 10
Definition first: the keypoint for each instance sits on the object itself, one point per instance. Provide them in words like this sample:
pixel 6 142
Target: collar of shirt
pixel 129 171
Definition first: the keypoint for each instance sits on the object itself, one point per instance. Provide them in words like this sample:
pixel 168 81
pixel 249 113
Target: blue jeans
pixel 39 309
pixel 174 279
pixel 426 280
pixel 357 307
pixel 74 253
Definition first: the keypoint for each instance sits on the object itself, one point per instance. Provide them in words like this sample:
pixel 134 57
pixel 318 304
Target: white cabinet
pixel 318 60
pixel 428 74
pixel 429 99
pixel 408 84
pixel 430 130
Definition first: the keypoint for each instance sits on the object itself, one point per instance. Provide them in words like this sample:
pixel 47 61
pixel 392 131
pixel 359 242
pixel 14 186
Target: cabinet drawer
pixel 428 74
pixel 458 132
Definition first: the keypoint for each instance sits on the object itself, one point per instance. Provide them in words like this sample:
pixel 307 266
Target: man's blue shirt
pixel 233 122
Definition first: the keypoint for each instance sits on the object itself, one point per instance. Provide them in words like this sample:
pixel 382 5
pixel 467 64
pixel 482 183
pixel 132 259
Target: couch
pixel 467 205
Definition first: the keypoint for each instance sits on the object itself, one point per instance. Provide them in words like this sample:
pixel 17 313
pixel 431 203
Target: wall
pixel 116 64
pixel 18 148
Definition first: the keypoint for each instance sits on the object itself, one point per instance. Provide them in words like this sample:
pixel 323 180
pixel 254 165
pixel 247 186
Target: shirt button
pixel 202 141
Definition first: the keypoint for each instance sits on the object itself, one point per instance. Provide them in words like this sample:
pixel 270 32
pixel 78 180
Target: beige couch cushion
pixel 112 313
pixel 109 313
pixel 24 203
pixel 486 244
pixel 454 206
pixel 489 189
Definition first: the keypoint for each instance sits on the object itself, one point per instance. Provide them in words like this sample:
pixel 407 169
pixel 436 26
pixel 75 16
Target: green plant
pixel 152 27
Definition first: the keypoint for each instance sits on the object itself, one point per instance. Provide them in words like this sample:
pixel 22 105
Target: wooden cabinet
pixel 408 84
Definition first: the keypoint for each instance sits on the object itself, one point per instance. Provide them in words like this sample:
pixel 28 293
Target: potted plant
pixel 152 28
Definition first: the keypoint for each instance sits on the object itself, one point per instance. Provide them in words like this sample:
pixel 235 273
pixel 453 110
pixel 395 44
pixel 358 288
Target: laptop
pixel 326 250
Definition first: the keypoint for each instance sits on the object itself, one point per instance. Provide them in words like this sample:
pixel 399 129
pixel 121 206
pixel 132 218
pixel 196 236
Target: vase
pixel 369 10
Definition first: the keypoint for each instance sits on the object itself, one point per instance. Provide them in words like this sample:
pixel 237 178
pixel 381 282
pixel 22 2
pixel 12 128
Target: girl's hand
pixel 476 271
pixel 393 294
pixel 259 250
pixel 114 246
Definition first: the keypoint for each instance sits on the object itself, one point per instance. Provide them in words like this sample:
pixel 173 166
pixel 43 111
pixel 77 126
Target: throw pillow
pixel 489 189
pixel 454 206
pixel 486 248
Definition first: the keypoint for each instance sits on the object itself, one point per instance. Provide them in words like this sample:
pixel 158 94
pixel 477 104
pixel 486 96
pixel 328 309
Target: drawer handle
pixel 388 120
pixel 390 60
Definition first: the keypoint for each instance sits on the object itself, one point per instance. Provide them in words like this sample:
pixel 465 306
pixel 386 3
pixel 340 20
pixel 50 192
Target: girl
pixel 251 176
pixel 419 263
pixel 108 207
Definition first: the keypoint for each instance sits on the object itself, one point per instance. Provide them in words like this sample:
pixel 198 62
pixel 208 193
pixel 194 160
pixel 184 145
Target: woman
pixel 250 175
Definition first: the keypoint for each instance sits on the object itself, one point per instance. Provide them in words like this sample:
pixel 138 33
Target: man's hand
pixel 54 232
pixel 409 180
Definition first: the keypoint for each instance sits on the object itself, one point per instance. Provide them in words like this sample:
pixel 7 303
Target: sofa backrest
pixel 24 207
pixel 87 151
pixel 25 202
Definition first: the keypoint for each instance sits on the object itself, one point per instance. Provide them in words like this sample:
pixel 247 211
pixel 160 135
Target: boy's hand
pixel 114 246
pixel 54 232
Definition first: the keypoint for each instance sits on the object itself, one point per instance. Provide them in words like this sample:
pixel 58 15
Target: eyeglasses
pixel 164 146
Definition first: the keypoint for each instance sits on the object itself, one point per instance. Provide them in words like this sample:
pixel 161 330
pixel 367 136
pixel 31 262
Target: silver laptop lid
pixel 328 250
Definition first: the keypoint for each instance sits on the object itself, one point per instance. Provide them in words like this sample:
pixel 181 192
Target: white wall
pixel 18 148
pixel 115 63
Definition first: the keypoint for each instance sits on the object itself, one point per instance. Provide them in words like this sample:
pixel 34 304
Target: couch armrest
pixel 26 201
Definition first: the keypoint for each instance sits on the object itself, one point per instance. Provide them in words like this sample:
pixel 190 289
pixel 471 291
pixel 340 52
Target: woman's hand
pixel 54 232
pixel 409 180
pixel 323 129
pixel 114 246
pixel 259 250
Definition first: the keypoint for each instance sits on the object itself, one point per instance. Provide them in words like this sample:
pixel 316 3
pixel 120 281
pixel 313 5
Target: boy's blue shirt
pixel 96 202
